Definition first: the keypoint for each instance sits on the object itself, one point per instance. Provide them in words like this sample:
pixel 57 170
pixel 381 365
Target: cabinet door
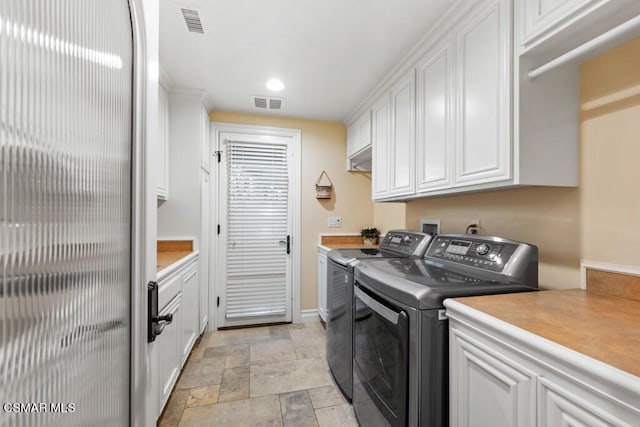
pixel 205 150
pixel 434 122
pixel 402 143
pixel 205 220
pixel 359 134
pixel 380 115
pixel 322 285
pixel 190 320
pixel 543 17
pixel 488 389
pixel 352 139
pixel 162 149
pixel 558 406
pixel 483 143
pixel 167 349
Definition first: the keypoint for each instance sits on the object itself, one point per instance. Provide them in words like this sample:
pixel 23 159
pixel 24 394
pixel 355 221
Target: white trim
pixel 143 203
pixel 296 134
pixel 164 80
pixel 309 316
pixel 612 268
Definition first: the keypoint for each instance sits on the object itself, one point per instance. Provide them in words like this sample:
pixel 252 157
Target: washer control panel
pixel 475 251
pixel 406 242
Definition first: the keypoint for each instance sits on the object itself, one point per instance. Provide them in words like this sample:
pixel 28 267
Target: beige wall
pixel 610 143
pixel 323 148
pixel 598 220
pixel 389 216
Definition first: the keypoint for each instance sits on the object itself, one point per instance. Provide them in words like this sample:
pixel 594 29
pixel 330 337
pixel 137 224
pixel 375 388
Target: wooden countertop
pixel 172 251
pixel 606 328
pixel 165 259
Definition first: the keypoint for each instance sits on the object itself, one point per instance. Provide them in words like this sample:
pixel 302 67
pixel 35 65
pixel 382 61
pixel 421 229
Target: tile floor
pixel 262 376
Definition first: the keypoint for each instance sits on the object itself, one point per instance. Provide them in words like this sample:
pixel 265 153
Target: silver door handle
pixel 374 305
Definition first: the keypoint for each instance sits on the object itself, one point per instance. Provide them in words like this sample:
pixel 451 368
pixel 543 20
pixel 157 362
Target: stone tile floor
pixel 260 376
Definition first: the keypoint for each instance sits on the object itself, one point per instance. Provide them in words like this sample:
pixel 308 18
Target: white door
pixel 255 200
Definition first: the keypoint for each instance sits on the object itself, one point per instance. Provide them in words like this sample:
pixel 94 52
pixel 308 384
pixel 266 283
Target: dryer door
pixel 381 361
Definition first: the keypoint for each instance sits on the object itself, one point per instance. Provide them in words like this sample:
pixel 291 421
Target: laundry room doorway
pixel 258 217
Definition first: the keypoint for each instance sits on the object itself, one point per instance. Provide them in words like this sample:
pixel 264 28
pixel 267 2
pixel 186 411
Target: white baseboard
pixel 309 316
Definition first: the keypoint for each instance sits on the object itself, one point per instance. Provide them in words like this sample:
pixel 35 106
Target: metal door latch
pixel 155 323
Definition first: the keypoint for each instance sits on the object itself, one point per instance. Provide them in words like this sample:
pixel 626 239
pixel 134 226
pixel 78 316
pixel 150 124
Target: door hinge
pixel 218 302
pixel 218 228
pixel 218 153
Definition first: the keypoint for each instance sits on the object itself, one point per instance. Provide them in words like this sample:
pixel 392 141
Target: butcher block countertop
pixel 172 251
pixel 347 241
pixel 349 246
pixel 605 328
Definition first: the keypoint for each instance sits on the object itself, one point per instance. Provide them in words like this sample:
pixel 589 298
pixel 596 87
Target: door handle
pixel 155 322
pixel 286 242
pixel 161 322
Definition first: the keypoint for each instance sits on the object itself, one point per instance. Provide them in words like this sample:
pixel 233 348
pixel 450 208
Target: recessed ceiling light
pixel 275 84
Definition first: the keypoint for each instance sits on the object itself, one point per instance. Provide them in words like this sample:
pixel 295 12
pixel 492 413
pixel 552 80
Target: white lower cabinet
pixel 190 321
pixel 322 282
pixel 178 294
pixel 168 349
pixel 490 389
pixel 560 407
pixel 500 375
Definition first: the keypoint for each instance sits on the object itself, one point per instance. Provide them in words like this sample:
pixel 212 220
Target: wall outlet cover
pixel 335 221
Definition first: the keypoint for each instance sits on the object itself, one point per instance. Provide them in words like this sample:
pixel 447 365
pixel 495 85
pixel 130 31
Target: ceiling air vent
pixel 267 102
pixel 192 19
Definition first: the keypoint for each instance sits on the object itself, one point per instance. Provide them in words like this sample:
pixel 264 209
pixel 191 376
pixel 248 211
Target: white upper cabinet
pixel 434 121
pixel 359 143
pixel 558 26
pixel 483 143
pixel 543 17
pixel 402 142
pixel 162 146
pixel 380 114
pixel 458 113
pixel 359 134
pixel 393 124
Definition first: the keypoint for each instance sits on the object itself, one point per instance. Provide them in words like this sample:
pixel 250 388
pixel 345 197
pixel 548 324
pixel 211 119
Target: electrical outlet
pixel 477 223
pixel 335 221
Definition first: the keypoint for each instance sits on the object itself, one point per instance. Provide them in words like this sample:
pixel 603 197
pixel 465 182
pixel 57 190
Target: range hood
pixel 360 161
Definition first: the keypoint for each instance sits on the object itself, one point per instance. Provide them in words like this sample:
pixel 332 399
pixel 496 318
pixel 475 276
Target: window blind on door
pixel 257 220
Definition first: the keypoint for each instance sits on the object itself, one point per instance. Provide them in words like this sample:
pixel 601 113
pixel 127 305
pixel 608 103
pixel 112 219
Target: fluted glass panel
pixel 65 209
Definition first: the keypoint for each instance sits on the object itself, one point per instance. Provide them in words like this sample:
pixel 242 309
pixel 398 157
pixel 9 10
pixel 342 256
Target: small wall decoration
pixel 323 189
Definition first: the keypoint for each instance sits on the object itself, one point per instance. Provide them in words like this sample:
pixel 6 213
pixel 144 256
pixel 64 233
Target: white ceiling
pixel 329 53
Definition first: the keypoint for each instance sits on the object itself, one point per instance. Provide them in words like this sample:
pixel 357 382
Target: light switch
pixel 335 221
